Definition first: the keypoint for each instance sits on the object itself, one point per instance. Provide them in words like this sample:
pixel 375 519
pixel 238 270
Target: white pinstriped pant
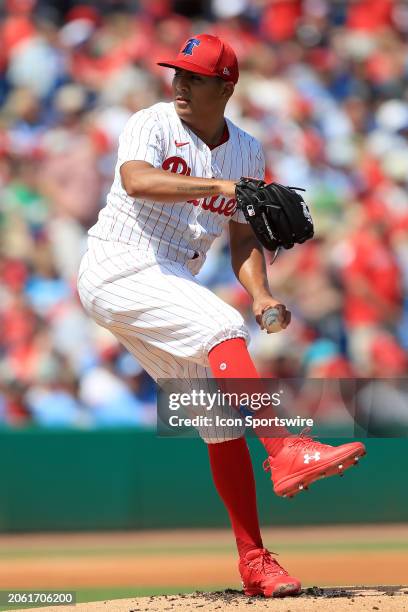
pixel 159 312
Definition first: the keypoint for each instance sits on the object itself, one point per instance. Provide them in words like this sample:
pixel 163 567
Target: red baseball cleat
pixel 262 575
pixel 303 460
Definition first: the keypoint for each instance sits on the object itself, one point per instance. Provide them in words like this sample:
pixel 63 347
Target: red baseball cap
pixel 208 55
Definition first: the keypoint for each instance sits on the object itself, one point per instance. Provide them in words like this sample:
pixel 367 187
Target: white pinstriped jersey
pixel 177 231
pixel 137 278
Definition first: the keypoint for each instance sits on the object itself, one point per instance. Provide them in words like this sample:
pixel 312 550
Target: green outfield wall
pixel 129 479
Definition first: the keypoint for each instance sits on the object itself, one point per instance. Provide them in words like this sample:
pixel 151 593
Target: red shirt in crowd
pixel 369 15
pixel 370 262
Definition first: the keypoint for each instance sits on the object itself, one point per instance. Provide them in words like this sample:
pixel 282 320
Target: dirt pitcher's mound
pixel 385 599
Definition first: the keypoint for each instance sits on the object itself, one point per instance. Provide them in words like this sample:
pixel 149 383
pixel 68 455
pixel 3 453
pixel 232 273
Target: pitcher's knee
pixel 222 335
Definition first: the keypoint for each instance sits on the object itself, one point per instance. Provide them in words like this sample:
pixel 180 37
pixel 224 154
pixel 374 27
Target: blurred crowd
pixel 323 84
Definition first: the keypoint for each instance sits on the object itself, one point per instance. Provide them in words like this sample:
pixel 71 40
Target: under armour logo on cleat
pixel 308 457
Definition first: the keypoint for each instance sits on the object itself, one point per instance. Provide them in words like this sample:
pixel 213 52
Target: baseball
pixel 270 320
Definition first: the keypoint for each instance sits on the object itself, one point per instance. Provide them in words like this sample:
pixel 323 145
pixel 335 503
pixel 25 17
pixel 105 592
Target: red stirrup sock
pixel 234 480
pixel 231 359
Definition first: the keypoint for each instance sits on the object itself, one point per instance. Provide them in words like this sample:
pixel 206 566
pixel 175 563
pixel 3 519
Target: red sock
pixel 234 480
pixel 230 359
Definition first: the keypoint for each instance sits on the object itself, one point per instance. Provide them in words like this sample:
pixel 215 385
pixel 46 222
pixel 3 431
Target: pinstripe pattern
pixel 159 312
pixel 174 231
pixel 137 277
pixel 159 302
pixel 187 371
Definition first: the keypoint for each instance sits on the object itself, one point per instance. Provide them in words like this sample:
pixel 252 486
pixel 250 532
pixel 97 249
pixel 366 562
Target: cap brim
pixel 187 66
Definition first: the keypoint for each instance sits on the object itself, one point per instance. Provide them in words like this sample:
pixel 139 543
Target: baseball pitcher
pixel 176 185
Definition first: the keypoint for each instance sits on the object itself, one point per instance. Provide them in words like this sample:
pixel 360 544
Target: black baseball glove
pixel 278 215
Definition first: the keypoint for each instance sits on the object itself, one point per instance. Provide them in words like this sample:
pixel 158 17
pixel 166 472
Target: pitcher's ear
pixel 228 88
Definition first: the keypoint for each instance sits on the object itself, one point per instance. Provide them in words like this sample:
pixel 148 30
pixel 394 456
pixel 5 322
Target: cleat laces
pixel 265 563
pixel 303 440
pixel 297 440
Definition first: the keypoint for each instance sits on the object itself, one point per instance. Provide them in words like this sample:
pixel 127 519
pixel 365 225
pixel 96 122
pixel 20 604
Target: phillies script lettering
pixel 178 165
pixel 215 204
